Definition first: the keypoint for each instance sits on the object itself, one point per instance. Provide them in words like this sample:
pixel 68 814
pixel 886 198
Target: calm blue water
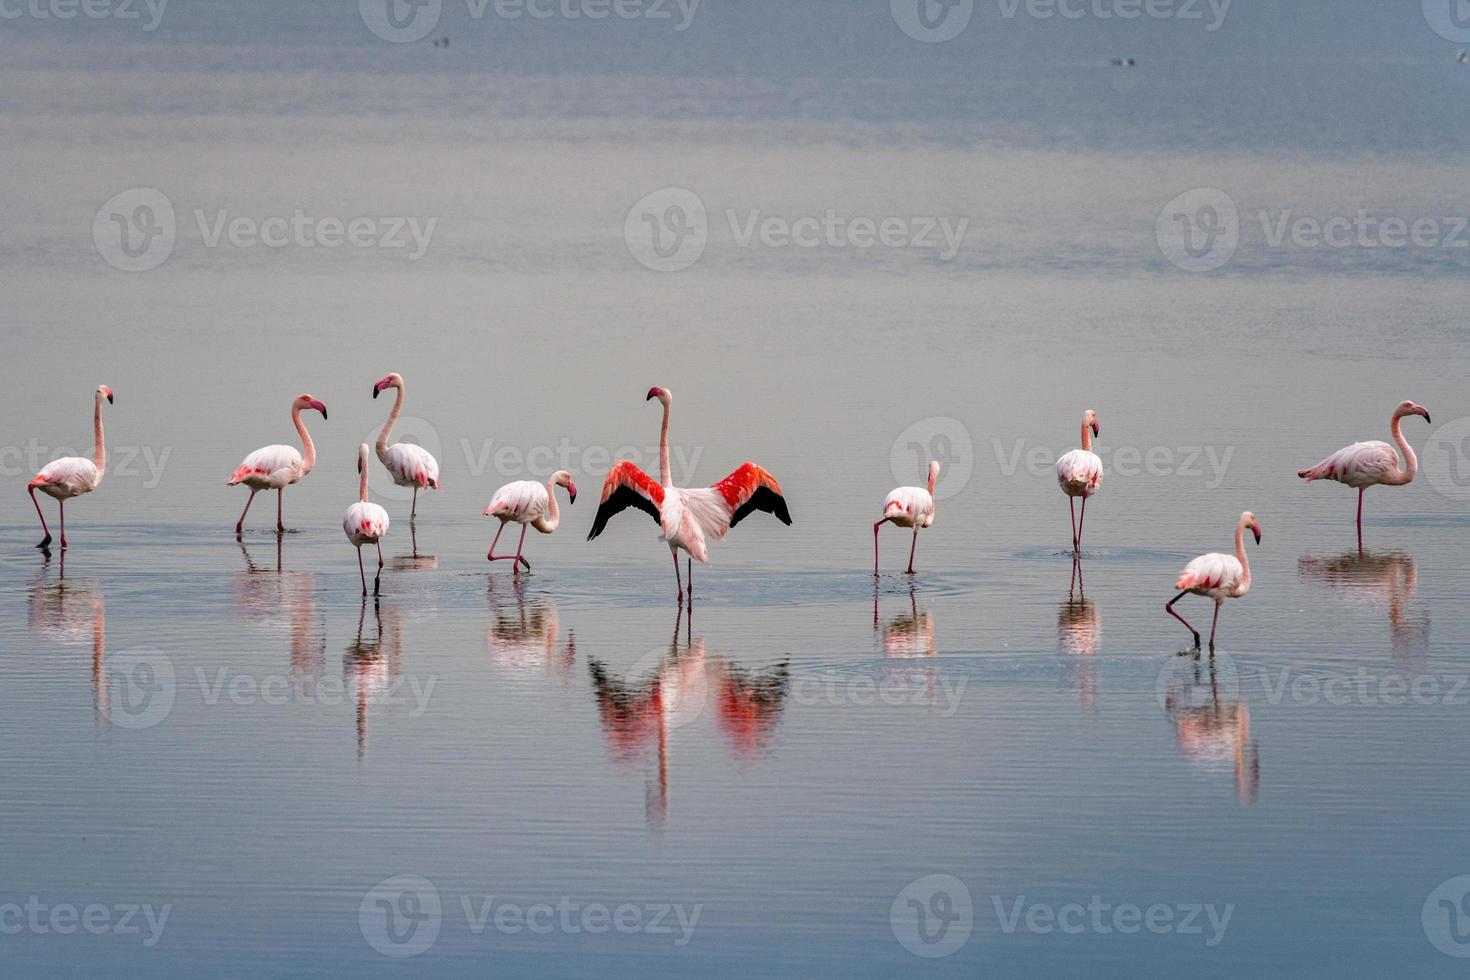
pixel 222 760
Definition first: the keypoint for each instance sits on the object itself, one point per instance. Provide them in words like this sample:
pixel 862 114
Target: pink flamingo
pixel 529 504
pixel 410 465
pixel 1079 473
pixel 365 522
pixel 71 476
pixel 687 516
pixel 1217 576
pixel 277 467
pixel 908 507
pixel 1366 464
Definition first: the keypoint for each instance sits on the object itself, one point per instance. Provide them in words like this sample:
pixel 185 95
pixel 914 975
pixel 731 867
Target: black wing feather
pixel 764 499
pixel 620 500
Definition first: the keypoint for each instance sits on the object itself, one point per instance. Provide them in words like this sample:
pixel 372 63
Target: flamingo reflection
pixel 413 561
pixel 72 613
pixel 525 637
pixel 1079 633
pixel 1384 577
pixel 275 598
pixel 639 711
pixel 371 663
pixel 908 634
pixel 1211 723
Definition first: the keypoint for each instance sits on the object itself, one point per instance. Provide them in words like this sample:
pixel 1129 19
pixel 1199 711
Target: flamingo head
pixel 564 479
pixel 303 402
pixel 105 392
pixel 662 394
pixel 394 380
pixel 933 471
pixel 1249 520
pixel 1089 419
pixel 1409 408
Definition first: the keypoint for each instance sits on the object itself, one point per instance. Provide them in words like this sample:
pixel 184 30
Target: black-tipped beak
pixel 376 389
pixel 571 496
pixel 359 467
pixel 109 399
pixel 1257 532
pixel 1096 430
pixel 1426 416
pixel 324 411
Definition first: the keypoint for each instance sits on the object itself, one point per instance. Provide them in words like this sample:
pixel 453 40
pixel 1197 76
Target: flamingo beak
pixel 109 398
pixel 1257 532
pixel 359 467
pixel 319 407
pixel 1096 430
pixel 1421 410
pixel 571 491
pixel 654 393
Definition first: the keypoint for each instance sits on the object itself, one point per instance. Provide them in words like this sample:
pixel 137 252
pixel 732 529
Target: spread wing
pixel 750 489
pixel 627 486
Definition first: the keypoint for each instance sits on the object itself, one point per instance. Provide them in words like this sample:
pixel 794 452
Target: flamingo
pixel 1366 464
pixel 908 507
pixel 365 522
pixel 411 465
pixel 687 516
pixel 1079 473
pixel 71 476
pixel 1217 576
pixel 277 467
pixel 529 504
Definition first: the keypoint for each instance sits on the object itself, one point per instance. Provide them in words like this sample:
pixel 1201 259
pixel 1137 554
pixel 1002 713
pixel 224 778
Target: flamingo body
pixel 1217 576
pixel 365 523
pixel 909 507
pixel 1079 473
pixel 529 504
pixel 270 468
pixel 411 466
pixel 67 477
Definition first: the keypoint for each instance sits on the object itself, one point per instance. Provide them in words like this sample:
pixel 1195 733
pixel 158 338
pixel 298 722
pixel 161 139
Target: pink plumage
pixel 71 476
pixel 908 507
pixel 1080 474
pixel 1368 464
pixel 1217 576
pixel 410 465
pixel 529 504
pixel 277 467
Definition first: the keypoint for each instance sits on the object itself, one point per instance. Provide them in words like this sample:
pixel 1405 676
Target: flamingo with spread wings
pixel 688 517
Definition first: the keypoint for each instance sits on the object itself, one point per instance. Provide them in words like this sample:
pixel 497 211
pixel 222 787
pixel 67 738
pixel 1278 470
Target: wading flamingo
pixel 687 516
pixel 365 522
pixel 71 476
pixel 410 465
pixel 529 504
pixel 1217 576
pixel 277 467
pixel 908 507
pixel 1366 464
pixel 1079 473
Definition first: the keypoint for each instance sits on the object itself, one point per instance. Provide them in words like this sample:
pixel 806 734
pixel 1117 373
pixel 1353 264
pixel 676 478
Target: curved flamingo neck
pixel 388 425
pixel 1245 564
pixel 308 448
pixel 99 451
pixel 1086 436
pixel 664 478
pixel 362 464
pixel 549 521
pixel 1411 462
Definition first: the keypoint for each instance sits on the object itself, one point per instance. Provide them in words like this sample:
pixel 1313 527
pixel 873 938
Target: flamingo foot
pixel 45 544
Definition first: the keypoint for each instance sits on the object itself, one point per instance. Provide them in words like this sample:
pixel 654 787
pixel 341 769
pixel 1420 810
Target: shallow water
pixel 227 729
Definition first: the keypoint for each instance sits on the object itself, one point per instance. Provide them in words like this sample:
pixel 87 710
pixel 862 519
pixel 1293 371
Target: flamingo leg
pixel 912 548
pixel 61 506
pixel 690 576
pixel 280 524
pixel 1213 623
pixel 678 578
pixel 240 524
pixel 413 512
pixel 1169 608
pixel 378 575
pixel 46 541
pixel 1072 506
pixel 516 566
pixel 362 574
pixel 1360 517
pixel 875 546
pixel 1080 521
pixel 490 555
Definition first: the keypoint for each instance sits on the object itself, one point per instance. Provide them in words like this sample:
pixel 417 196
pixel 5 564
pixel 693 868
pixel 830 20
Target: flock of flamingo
pixel 689 517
